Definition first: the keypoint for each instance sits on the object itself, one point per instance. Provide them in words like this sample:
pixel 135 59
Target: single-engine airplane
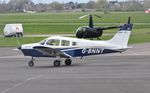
pixel 66 47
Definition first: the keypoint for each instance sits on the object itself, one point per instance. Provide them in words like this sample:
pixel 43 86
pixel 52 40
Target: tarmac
pixel 128 72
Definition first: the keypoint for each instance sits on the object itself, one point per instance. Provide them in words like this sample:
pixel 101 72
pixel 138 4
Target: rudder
pixel 122 37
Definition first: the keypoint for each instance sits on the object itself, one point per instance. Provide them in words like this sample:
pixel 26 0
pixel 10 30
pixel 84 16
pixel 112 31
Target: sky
pixel 61 1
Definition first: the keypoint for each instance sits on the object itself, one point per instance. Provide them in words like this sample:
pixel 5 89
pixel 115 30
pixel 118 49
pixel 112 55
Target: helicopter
pixel 90 31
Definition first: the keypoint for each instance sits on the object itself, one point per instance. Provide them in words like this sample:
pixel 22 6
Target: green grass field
pixel 53 23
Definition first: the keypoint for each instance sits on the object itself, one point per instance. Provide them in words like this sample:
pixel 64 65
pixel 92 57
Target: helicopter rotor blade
pixel 90 19
pixel 97 16
pixel 83 16
pixel 89 15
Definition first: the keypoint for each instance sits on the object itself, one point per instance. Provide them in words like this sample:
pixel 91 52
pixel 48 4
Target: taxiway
pixel 128 72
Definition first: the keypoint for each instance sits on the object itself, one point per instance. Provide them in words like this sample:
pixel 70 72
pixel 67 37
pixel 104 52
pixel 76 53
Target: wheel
pixel 14 35
pixel 56 63
pixel 31 63
pixel 68 62
pixel 17 34
pixel 20 35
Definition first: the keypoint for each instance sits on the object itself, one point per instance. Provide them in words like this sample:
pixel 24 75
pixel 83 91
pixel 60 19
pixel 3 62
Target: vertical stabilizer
pixel 122 37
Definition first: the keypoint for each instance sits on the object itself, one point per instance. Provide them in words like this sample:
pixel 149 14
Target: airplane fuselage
pixel 74 47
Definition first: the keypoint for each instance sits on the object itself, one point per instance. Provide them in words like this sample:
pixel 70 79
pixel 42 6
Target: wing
pixel 51 52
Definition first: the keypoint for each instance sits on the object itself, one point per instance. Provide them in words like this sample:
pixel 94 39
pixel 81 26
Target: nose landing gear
pixel 31 63
pixel 57 63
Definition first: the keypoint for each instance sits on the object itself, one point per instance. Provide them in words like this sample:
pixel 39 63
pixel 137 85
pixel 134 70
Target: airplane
pixel 59 47
pixel 90 31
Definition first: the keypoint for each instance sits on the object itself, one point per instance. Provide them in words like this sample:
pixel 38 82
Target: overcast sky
pixel 48 1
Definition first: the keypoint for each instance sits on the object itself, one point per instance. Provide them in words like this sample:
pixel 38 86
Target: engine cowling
pixel 87 32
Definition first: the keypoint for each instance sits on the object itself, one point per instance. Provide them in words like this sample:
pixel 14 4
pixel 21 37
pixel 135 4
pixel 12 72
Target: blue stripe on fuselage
pixel 72 52
pixel 88 52
pixel 33 53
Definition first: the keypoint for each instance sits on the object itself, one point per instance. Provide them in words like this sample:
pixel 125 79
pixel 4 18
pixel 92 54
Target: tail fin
pixel 122 37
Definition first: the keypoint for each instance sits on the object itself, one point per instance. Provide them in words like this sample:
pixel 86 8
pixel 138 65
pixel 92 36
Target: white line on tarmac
pixel 21 83
pixel 17 56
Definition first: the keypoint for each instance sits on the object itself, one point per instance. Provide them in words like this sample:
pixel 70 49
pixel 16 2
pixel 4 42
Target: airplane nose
pixel 19 47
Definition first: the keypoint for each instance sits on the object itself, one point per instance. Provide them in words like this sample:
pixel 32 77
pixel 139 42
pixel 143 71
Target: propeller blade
pixel 18 43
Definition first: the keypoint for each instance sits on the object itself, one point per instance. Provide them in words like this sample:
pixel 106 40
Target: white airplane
pixel 65 47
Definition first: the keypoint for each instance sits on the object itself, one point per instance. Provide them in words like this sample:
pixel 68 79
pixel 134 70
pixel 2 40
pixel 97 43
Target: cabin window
pixel 74 43
pixel 65 43
pixel 42 42
pixel 53 42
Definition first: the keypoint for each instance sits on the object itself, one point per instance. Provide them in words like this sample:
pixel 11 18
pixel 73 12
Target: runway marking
pixel 124 54
pixel 17 56
pixel 15 49
pixel 21 83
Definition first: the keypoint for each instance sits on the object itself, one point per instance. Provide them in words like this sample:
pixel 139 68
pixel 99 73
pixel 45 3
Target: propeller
pixel 18 46
pixel 18 43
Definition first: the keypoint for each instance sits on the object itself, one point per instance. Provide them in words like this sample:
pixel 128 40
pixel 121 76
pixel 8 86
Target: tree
pixel 133 5
pixel 3 7
pixel 18 5
pixel 146 4
pixel 102 5
pixel 91 5
pixel 56 6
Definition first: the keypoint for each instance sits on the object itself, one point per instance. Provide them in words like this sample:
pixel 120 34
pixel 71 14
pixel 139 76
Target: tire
pixel 14 35
pixel 56 63
pixel 68 62
pixel 20 35
pixel 17 35
pixel 31 64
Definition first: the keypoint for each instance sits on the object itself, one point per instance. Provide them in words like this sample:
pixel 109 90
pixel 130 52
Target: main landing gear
pixel 68 62
pixel 56 63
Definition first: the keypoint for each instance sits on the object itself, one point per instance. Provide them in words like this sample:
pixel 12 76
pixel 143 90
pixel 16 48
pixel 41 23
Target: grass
pixel 7 42
pixel 47 23
pixel 54 23
pixel 136 37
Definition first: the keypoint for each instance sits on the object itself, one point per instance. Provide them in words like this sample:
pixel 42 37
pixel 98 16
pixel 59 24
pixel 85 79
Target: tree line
pixel 99 5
